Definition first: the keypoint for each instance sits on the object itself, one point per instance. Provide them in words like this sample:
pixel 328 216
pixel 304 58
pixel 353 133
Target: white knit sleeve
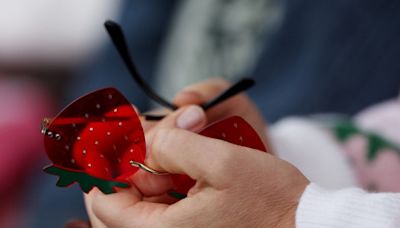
pixel 348 208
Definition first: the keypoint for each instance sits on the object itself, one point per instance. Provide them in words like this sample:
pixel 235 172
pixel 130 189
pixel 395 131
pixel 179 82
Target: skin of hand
pixel 239 105
pixel 235 186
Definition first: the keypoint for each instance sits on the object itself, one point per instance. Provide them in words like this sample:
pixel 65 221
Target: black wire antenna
pixel 117 36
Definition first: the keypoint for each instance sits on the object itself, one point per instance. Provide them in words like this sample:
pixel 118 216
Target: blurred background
pixel 306 57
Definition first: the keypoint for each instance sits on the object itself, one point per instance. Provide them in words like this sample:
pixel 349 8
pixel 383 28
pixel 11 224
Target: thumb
pixel 190 117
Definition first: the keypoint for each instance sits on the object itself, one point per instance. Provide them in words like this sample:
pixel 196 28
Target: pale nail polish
pixel 190 118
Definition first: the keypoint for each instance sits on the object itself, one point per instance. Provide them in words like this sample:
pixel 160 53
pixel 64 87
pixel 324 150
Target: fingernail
pixel 190 118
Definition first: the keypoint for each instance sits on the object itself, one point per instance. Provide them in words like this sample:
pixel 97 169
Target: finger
pixel 88 199
pixel 183 152
pixel 122 209
pixel 110 202
pixel 239 105
pixel 201 92
pixel 190 96
pixel 190 117
pixel 151 185
pixel 204 91
pixel 165 198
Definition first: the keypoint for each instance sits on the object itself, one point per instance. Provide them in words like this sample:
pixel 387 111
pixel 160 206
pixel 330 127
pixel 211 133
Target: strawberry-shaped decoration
pixel 235 130
pixel 93 141
pixel 96 140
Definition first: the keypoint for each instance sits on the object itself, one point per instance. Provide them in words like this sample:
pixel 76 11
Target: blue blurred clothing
pixel 330 56
pixel 327 56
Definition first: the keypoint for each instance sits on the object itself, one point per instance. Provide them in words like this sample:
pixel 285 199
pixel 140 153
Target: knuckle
pixel 226 162
pixel 221 81
pixel 237 160
pixel 212 84
pixel 227 158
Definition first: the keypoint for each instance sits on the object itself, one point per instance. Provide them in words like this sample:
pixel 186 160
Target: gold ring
pixel 147 169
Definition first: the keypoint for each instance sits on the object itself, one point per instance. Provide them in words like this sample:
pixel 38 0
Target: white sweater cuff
pixel 348 208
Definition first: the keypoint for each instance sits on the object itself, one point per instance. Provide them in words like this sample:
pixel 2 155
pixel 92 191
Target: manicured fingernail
pixel 190 118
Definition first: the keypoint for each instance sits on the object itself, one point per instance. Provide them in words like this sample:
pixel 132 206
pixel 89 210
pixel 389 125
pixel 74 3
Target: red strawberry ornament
pixel 95 140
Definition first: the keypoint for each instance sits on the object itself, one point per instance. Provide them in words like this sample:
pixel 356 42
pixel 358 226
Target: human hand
pixel 239 105
pixel 236 186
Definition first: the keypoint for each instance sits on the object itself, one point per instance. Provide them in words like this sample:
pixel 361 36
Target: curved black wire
pixel 118 38
pixel 236 88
